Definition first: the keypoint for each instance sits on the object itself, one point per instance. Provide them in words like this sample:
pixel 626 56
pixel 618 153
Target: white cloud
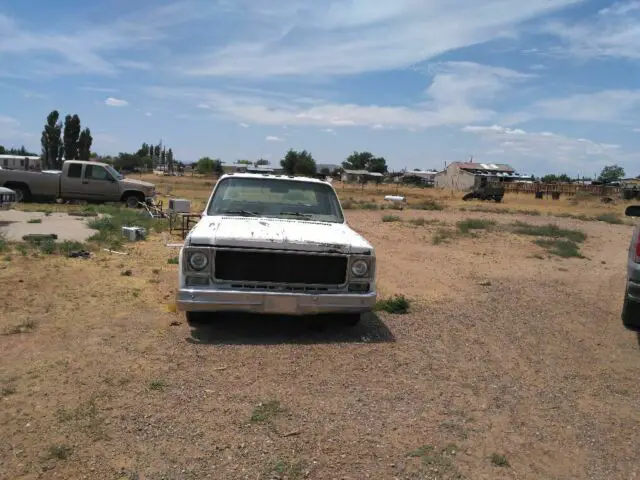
pixel 547 147
pixel 272 138
pixel 8 122
pixel 148 114
pixel 98 89
pixel 243 125
pixel 458 94
pixel 356 36
pixel 603 106
pixel 614 32
pixel 115 102
pixel 330 131
pixel 203 106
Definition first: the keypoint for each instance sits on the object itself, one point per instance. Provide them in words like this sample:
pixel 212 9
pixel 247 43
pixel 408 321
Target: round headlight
pixel 198 261
pixel 359 268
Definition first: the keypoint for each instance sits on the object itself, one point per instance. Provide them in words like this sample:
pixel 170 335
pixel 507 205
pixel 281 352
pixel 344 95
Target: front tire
pixel 131 201
pixel 23 194
pixel 631 314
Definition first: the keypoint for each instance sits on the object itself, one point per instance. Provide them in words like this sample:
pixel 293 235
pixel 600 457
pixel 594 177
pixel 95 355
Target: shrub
pixel 398 304
pixel 391 218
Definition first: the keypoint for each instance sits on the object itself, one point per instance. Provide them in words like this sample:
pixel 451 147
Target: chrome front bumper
pixel 283 303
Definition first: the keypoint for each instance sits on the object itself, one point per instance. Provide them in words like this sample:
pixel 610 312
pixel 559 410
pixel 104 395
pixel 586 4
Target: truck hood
pixel 141 184
pixel 277 233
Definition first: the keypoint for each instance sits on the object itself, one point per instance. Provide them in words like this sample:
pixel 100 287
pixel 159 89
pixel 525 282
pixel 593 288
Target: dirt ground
pixel 511 364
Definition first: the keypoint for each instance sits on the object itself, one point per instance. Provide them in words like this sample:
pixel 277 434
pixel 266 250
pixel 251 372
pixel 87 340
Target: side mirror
pixel 632 211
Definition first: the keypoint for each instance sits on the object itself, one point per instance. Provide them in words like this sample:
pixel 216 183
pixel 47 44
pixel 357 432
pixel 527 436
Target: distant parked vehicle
pixel 486 188
pixel 631 305
pixel 78 180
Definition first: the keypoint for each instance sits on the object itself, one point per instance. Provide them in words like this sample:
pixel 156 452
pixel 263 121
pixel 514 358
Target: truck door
pixel 71 183
pixel 99 185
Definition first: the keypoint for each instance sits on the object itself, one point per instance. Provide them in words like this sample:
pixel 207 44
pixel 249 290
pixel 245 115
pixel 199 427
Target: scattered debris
pixel 79 254
pixel 175 323
pixel 126 273
pixel 291 434
pixel 485 283
pixel 39 237
pixel 113 251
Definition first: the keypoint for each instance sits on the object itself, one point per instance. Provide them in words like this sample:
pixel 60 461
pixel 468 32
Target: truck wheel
pixel 468 196
pixel 23 194
pixel 131 201
pixel 498 198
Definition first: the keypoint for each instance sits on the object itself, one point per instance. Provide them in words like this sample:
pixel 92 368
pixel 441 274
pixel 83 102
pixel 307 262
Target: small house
pixel 461 176
pixel 360 176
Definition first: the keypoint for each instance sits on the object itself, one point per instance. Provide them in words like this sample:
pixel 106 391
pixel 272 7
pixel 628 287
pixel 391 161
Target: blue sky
pixel 544 85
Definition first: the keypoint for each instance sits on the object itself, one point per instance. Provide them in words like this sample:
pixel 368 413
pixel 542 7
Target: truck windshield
pixel 275 197
pixel 114 172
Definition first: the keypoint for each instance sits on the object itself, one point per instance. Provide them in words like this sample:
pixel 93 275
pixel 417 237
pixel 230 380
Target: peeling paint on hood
pixel 277 233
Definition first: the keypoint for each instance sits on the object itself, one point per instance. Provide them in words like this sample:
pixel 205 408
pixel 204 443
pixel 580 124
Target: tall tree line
pixel 68 142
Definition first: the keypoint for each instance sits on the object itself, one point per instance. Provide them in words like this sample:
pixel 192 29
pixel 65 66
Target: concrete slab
pixel 14 224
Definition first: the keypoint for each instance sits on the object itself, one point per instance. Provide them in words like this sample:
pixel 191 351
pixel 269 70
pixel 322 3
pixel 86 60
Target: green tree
pixel 298 163
pixel 17 151
pixel 84 144
pixel 243 162
pixel 71 136
pixel 611 173
pixel 365 161
pixel 262 161
pixel 208 166
pixel 553 178
pixel 51 142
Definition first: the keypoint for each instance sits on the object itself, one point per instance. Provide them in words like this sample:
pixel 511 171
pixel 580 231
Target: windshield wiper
pixel 246 213
pixel 297 214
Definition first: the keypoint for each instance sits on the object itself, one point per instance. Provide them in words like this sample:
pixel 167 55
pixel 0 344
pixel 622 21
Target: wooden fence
pixel 566 188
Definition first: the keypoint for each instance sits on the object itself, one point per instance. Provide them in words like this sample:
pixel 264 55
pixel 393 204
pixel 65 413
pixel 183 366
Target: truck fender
pixel 23 192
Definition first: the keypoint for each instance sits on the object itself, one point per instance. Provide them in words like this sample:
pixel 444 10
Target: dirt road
pixel 511 364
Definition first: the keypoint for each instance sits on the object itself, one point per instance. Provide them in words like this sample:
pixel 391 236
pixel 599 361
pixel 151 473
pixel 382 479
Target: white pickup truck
pixel 275 244
pixel 78 180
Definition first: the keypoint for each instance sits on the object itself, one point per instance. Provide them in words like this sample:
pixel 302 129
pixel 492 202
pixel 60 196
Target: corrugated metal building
pixel 461 176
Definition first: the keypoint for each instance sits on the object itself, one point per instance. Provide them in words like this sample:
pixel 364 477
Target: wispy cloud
pixel 613 32
pixel 115 102
pixel 330 131
pixel 273 138
pixel 203 106
pixel 98 89
pixel 458 94
pixel 243 125
pixel 356 36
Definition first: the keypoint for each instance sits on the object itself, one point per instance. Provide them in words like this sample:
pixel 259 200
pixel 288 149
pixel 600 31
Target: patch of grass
pixel 560 247
pixel 574 216
pixel 157 385
pixel 60 452
pixel 550 230
pixel 466 226
pixel 442 458
pixel 173 261
pixel 348 205
pixel 67 246
pixel 442 236
pixel 397 305
pixel 47 246
pixel 7 390
pixel 7 258
pixel 265 412
pixel 421 451
pixel 24 327
pixel 369 206
pixel 499 460
pixel 611 218
pixel 22 249
pixel 34 220
pixel 418 222
pixel 428 204
pixel 4 245
pixel 390 218
pixel 286 469
pixel 109 226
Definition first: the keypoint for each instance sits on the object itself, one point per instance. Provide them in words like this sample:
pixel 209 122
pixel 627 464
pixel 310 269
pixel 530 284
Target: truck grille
pixel 278 267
